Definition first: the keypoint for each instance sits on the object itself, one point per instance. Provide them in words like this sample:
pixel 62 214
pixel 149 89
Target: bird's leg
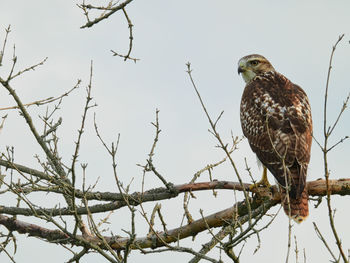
pixel 263 182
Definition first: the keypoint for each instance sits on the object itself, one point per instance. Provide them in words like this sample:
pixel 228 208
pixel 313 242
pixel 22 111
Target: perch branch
pixel 222 218
pixel 315 188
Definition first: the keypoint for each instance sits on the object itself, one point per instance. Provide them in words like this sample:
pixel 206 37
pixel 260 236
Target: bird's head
pixel 253 65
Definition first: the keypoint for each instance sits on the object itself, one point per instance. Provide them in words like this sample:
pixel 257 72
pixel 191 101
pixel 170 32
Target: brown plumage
pixel 276 119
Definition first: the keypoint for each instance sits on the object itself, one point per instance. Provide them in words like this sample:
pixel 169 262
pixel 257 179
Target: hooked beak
pixel 240 70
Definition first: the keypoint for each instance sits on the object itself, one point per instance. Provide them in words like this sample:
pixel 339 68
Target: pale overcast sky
pixel 213 35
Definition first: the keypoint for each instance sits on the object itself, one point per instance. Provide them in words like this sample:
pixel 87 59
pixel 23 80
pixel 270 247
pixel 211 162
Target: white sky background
pixel 212 35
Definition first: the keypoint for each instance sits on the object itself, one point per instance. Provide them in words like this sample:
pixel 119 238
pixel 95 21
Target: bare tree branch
pixel 327 131
pixel 224 217
pixel 111 10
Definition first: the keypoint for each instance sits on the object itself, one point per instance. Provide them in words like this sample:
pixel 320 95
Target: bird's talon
pixel 263 182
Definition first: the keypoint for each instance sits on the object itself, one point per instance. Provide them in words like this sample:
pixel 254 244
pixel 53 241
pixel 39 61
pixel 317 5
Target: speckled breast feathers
pixel 276 119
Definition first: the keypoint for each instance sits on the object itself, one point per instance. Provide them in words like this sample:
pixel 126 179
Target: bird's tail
pixel 297 208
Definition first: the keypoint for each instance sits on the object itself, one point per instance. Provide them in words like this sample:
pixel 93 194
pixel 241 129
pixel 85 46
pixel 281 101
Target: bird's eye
pixel 254 62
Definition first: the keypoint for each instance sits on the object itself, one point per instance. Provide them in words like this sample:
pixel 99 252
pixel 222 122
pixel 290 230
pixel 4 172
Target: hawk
pixel 276 119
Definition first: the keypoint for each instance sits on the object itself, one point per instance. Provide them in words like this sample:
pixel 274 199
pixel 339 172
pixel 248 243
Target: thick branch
pixel 315 188
pixel 151 241
pixel 225 217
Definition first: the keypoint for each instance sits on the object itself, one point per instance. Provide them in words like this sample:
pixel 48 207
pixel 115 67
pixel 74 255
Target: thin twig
pixel 327 132
pixel 131 38
pixel 2 53
pixel 320 236
pixel 44 101
pixel 111 10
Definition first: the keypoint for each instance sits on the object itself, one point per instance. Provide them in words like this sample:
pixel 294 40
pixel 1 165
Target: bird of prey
pixel 276 119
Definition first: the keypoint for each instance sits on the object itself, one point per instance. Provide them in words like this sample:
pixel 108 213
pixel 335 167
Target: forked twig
pixel 111 10
pixel 45 101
